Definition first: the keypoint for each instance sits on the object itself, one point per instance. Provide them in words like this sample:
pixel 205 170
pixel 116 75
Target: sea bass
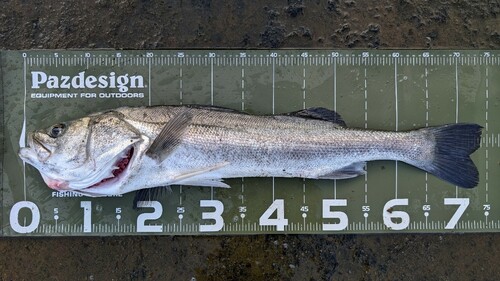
pixel 133 148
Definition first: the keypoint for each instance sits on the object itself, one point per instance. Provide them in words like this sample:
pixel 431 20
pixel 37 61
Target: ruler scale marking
pixel 308 64
pixel 397 119
pixel 335 109
pixel 273 109
pixel 456 105
pixel 426 75
pixel 365 90
pixel 487 133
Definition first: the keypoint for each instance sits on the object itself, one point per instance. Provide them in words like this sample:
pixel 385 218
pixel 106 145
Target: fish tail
pixel 454 143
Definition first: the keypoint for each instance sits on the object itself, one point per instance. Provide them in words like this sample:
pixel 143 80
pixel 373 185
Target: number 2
pixel 156 214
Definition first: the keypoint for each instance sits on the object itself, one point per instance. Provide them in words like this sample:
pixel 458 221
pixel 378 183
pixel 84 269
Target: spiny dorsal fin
pixel 319 113
pixel 170 136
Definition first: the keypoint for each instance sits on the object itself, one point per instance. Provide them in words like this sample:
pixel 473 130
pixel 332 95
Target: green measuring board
pixel 391 90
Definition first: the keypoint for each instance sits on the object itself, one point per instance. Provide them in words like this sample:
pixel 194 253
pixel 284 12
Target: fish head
pixel 88 153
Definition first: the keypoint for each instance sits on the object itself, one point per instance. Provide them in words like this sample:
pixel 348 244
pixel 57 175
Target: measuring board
pixel 389 90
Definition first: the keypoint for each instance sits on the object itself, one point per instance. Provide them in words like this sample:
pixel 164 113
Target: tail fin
pixel 453 145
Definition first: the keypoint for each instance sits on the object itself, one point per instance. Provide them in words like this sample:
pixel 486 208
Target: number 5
pixel 329 214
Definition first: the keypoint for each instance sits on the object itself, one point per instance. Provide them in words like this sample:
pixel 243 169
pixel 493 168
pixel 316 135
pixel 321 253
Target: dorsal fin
pixel 319 113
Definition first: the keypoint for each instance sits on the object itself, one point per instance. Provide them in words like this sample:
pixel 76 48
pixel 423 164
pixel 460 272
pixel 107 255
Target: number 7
pixel 463 204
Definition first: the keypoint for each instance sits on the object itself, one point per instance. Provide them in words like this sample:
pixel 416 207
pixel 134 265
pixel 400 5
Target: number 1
pixel 87 215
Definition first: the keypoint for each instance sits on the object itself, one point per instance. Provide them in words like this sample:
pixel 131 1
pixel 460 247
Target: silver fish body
pixel 133 148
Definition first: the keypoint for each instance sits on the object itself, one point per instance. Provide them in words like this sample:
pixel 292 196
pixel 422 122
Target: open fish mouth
pixel 119 168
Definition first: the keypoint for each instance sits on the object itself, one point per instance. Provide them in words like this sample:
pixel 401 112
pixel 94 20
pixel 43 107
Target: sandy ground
pixel 146 24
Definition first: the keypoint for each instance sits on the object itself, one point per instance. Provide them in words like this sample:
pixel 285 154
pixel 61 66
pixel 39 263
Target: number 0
pixel 14 217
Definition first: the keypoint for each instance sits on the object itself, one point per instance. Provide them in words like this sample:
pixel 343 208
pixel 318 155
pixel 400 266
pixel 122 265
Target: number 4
pixel 280 222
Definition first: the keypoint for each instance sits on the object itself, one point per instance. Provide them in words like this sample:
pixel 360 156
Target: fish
pixel 127 149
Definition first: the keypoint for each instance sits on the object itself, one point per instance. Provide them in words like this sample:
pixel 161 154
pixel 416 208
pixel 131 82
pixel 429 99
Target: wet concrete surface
pixel 146 24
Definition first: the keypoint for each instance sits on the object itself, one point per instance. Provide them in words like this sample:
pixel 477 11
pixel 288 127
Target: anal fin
pixel 190 174
pixel 347 172
pixel 204 182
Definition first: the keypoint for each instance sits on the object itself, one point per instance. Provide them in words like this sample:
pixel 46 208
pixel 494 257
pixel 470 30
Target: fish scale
pixel 394 90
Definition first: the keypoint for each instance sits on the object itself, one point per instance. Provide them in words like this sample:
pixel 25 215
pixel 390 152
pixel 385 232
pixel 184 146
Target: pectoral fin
pixel 170 136
pixel 347 172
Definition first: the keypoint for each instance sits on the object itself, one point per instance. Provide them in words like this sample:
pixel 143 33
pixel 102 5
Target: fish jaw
pixel 30 156
pixel 54 184
pixel 27 155
pixel 105 180
pixel 104 174
pixel 109 175
pixel 118 172
pixel 35 152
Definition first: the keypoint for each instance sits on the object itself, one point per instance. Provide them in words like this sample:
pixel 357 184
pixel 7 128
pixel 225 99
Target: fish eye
pixel 57 130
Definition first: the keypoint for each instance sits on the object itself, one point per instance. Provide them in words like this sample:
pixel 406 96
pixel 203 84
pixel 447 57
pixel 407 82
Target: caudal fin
pixel 454 145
